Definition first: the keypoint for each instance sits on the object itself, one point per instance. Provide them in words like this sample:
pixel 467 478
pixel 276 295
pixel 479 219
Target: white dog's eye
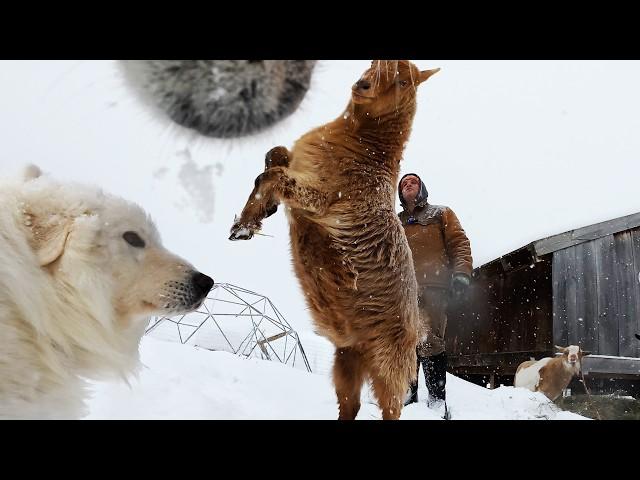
pixel 133 239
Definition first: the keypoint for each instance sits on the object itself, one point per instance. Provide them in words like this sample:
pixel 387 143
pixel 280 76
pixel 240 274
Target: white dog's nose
pixel 202 283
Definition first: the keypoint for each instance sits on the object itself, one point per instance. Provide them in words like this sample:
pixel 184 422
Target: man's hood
pixel 421 199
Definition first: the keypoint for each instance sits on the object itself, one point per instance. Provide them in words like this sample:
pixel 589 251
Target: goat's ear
pixel 425 74
pixel 47 236
pixel 560 349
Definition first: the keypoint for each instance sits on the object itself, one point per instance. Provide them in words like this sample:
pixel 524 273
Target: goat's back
pixel 528 374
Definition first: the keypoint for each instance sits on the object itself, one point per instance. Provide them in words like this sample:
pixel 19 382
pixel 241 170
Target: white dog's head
pixel 108 251
pixel 81 272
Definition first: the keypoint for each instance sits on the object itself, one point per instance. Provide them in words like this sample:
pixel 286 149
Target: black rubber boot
pixel 435 373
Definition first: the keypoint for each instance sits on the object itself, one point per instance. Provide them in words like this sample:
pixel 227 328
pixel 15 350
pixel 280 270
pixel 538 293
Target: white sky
pixel 519 149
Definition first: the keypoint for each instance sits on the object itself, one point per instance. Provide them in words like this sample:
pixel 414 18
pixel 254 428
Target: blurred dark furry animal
pixel 349 249
pixel 221 98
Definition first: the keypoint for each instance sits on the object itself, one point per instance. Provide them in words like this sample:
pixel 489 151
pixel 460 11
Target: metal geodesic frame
pixel 235 320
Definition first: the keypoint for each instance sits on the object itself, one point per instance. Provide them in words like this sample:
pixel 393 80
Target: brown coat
pixel 438 244
pixel 349 250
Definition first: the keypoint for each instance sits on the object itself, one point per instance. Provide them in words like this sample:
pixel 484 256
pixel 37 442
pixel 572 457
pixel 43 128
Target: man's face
pixel 410 187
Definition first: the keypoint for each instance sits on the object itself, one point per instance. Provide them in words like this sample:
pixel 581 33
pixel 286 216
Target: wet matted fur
pixel 349 250
pixel 81 272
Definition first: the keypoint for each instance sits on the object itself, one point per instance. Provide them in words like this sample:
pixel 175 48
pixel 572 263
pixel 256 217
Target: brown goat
pixel 349 250
pixel 550 375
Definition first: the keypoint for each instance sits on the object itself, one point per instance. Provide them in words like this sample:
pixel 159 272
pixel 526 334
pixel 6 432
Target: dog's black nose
pixel 202 283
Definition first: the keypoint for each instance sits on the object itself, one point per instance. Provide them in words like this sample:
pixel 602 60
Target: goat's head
pixel 388 85
pixel 572 355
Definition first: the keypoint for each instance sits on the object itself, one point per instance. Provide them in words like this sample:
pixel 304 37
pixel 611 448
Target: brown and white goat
pixel 550 375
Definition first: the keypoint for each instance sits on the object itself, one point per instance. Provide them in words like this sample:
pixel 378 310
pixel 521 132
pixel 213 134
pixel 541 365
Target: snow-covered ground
pixel 185 382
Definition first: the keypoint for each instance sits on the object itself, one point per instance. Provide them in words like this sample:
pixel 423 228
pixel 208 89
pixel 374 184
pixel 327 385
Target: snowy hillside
pixel 184 382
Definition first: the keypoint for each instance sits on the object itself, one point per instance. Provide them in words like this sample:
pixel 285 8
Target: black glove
pixel 460 286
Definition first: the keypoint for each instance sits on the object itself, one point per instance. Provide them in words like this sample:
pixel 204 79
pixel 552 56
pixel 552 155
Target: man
pixel 443 264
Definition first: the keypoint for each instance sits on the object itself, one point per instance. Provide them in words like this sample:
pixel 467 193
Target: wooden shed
pixel 578 287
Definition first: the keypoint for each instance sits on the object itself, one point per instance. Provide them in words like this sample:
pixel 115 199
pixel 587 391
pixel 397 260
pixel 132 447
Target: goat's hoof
pixel 240 232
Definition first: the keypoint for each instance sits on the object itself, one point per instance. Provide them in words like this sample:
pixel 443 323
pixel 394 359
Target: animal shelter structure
pixel 236 320
pixel 579 287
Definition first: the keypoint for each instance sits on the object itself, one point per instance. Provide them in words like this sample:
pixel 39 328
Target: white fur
pixel 529 377
pixel 82 314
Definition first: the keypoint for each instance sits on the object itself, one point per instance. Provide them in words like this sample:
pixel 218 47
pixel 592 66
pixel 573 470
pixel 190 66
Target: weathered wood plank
pixel 571 294
pixel 542 310
pixel 559 280
pixel 513 321
pixel 586 296
pixel 585 234
pixel 507 363
pixel 607 298
pixel 635 236
pixel 624 286
pixel 592 364
pixel 499 363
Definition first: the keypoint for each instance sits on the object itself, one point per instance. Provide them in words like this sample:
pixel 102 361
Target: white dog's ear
pixel 31 172
pixel 48 236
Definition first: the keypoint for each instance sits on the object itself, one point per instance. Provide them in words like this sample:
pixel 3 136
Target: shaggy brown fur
pixel 349 250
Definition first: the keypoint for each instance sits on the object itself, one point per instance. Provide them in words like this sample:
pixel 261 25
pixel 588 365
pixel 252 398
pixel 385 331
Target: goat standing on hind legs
pixel 349 250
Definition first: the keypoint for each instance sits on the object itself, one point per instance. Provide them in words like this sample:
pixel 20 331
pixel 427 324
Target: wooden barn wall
pixel 526 310
pixel 596 294
pixel 507 312
pixel 635 236
pixel 469 325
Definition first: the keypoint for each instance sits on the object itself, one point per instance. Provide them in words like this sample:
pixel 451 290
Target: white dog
pixel 81 272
